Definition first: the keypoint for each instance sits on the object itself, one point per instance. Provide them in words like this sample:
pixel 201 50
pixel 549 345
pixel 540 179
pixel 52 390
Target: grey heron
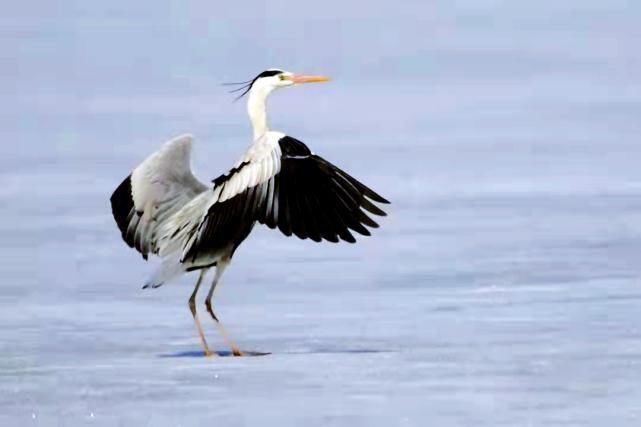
pixel 163 210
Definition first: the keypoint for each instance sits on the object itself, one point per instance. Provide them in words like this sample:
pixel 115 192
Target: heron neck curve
pixel 256 108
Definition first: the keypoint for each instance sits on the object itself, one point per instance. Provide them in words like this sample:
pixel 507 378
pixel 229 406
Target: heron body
pixel 162 209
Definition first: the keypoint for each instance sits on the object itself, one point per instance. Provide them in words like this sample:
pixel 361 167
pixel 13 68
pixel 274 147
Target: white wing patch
pixel 164 174
pixel 259 163
pixel 160 186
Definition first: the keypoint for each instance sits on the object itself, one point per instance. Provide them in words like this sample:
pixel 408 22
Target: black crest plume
pixel 247 85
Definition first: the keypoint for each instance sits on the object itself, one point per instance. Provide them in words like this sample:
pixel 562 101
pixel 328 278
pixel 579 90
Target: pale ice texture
pixel 503 289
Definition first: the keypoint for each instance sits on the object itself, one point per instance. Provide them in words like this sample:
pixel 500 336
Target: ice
pixel 502 290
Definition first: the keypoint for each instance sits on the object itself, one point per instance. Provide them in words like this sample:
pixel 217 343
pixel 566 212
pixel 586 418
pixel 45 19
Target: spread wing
pixel 315 199
pixel 158 188
pixel 284 185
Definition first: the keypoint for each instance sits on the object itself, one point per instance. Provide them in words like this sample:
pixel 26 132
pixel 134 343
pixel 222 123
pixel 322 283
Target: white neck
pixel 256 109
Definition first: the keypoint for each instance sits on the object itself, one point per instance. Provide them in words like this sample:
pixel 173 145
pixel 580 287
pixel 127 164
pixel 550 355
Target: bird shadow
pixel 198 354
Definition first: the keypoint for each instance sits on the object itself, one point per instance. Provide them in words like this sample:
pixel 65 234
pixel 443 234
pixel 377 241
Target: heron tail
pixel 168 270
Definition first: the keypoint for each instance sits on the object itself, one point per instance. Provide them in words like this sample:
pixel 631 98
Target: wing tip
pixel 184 137
pixel 376 197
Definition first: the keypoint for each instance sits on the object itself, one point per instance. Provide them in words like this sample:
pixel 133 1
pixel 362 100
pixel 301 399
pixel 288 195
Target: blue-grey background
pixel 502 290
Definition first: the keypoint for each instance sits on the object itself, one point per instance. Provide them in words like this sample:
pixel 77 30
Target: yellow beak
pixel 302 78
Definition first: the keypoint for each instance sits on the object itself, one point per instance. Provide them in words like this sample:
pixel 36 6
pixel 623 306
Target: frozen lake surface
pixel 502 290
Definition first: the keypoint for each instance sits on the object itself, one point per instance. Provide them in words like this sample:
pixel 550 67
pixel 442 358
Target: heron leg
pixel 192 307
pixel 220 269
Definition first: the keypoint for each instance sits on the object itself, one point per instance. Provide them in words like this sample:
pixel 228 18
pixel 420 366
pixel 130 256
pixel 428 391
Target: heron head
pixel 274 78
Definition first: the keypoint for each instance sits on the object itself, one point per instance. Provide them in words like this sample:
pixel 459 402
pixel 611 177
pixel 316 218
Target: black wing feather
pixel 127 219
pixel 319 200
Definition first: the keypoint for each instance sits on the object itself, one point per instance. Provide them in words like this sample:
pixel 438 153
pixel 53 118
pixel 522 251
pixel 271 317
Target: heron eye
pixel 281 77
